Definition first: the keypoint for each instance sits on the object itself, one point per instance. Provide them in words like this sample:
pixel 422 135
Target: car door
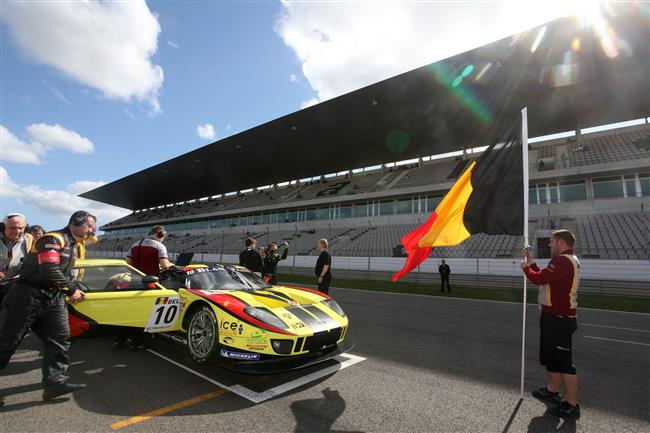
pixel 115 295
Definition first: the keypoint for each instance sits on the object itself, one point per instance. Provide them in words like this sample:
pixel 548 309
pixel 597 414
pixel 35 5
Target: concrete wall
pixel 637 271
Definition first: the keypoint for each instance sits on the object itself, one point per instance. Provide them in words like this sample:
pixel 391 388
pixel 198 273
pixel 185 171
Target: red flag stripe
pixel 416 255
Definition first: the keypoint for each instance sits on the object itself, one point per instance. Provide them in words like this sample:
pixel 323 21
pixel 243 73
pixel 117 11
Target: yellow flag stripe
pixel 448 229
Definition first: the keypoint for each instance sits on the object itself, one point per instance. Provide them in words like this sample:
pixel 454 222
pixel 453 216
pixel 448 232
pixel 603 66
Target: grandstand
pixel 597 191
pixel 365 168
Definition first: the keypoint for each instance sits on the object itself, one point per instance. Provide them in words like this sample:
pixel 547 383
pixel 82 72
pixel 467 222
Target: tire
pixel 203 336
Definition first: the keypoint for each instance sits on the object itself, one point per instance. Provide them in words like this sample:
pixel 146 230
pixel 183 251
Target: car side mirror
pixel 149 281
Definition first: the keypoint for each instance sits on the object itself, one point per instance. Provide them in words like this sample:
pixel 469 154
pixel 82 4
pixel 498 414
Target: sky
pixel 105 89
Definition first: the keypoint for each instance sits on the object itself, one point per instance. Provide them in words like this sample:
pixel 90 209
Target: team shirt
pixel 146 254
pixel 558 292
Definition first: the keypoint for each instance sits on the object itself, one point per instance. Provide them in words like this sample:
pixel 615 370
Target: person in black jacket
pixel 323 267
pixel 271 260
pixel 250 258
pixel 37 301
pixel 444 271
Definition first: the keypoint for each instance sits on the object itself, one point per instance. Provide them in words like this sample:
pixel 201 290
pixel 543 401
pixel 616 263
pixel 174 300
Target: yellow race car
pixel 222 313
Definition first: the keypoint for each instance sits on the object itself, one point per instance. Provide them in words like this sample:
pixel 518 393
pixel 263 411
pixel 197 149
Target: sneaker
pixel 53 391
pixel 545 395
pixel 566 410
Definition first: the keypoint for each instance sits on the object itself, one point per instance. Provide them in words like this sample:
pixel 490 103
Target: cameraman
pixel 271 260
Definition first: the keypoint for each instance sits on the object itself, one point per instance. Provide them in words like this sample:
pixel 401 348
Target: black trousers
pixel 24 308
pixel 555 343
pixel 325 285
pixel 442 284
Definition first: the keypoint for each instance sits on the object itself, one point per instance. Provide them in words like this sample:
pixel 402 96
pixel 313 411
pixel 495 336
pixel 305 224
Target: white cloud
pixel 57 137
pixel 173 44
pixel 309 103
pixel 293 78
pixel 44 138
pixel 81 186
pixel 13 149
pixel 206 131
pixel 59 203
pixel 104 45
pixel 344 46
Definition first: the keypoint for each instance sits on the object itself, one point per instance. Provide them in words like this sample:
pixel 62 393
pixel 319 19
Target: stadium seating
pixel 623 236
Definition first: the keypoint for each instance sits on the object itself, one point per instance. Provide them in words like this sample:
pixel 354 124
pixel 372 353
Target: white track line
pixel 614 327
pixel 618 341
pixel 196 373
pixel 258 397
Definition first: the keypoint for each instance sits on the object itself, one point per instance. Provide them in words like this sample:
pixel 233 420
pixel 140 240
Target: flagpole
pixel 524 146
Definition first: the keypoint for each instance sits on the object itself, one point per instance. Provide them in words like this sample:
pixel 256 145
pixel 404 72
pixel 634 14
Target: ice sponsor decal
pixel 164 314
pixel 231 329
pixel 240 355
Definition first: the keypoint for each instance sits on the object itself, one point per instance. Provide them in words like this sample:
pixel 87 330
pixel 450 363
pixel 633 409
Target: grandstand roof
pixel 567 75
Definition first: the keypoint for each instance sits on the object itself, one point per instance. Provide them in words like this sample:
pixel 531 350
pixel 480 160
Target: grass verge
pixel 585 300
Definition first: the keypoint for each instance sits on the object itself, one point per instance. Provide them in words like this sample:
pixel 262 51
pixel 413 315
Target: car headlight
pixel 264 315
pixel 282 347
pixel 331 303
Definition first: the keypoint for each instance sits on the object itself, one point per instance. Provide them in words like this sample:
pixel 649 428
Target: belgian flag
pixel 488 198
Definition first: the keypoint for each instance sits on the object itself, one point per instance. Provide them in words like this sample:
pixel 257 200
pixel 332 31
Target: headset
pixel 80 217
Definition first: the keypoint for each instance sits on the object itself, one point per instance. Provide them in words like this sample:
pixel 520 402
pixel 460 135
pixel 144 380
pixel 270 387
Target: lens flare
pixel 461 93
pixel 538 39
pixel 575 44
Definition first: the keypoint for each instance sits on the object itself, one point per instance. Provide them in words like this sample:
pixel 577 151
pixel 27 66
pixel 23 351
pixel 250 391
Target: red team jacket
pixel 558 292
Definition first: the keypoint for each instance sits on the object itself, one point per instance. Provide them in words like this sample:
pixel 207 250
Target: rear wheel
pixel 203 335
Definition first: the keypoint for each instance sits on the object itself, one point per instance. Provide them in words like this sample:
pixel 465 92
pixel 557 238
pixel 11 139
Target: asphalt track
pixel 432 364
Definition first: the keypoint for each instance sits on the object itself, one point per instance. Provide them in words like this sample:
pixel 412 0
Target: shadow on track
pixel 319 415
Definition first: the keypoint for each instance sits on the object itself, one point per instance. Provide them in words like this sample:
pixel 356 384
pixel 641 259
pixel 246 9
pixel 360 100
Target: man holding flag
pixel 558 295
pixel 491 197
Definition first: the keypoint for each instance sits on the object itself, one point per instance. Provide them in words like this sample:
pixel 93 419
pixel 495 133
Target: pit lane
pixel 433 364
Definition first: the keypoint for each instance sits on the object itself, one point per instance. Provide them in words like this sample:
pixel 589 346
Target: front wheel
pixel 203 335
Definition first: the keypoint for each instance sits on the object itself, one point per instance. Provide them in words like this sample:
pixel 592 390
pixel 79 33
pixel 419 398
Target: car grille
pixel 322 339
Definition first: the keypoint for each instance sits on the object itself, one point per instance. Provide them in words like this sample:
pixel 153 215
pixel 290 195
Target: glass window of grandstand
pixel 532 195
pixel 386 208
pixel 360 210
pixel 573 191
pixel 310 214
pixel 645 184
pixel 552 187
pixel 323 213
pixel 432 203
pixel 630 185
pixel 404 206
pixel 292 216
pixel 609 187
pixel 345 212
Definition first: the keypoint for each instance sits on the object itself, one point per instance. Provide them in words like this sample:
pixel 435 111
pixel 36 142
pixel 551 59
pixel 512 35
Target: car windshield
pixel 222 278
pixel 108 278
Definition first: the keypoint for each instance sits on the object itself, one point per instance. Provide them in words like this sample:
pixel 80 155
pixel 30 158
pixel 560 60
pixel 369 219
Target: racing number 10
pixel 164 313
pixel 170 315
